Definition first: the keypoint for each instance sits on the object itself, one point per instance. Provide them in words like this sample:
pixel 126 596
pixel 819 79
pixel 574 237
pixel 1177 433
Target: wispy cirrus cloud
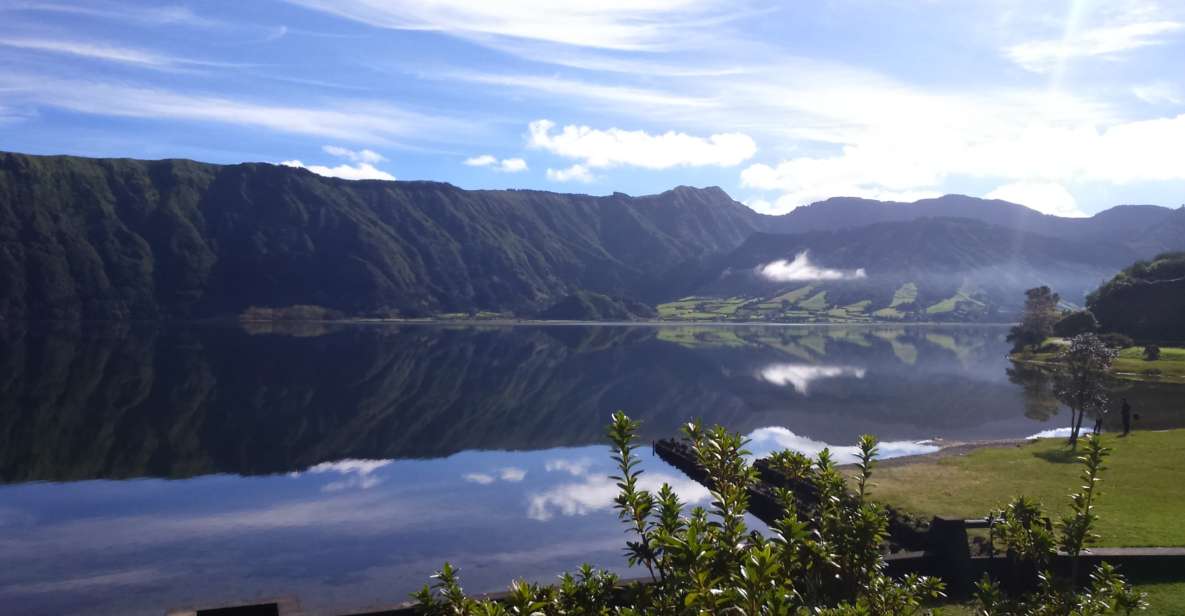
pixel 1043 56
pixel 1159 93
pixel 568 88
pixel 108 53
pixel 353 120
pixel 613 24
pixel 121 11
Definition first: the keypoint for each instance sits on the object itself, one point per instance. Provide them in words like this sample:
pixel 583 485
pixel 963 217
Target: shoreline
pixel 648 323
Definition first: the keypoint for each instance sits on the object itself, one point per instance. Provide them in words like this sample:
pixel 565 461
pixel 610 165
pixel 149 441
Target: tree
pixel 1081 381
pixel 1151 353
pixel 1036 323
pixel 1074 323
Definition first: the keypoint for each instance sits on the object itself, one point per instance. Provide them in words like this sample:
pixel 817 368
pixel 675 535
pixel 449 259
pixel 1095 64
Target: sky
pixel 1067 106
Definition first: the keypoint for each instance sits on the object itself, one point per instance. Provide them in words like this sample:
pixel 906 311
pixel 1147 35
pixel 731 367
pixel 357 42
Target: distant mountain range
pixel 85 238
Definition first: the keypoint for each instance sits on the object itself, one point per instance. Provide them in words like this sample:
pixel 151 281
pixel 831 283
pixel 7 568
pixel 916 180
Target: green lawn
pixel 1171 363
pixel 816 303
pixel 1141 504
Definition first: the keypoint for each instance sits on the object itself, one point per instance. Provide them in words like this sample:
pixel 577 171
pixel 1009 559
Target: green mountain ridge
pixel 931 269
pixel 124 239
pixel 1145 301
pixel 120 239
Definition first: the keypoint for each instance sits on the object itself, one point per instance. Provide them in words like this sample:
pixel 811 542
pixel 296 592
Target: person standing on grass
pixel 1125 412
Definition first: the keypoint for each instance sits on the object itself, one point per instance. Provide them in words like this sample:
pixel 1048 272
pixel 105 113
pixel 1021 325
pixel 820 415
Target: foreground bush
pixel 825 559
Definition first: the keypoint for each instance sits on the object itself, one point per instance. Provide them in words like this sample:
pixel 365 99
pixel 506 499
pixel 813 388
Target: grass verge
pixel 1141 504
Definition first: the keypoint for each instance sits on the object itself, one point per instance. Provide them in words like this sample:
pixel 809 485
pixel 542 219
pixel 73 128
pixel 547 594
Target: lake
pixel 147 467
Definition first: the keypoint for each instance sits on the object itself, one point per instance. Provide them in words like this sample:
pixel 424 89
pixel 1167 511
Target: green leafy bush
pixel 1031 544
pixel 825 559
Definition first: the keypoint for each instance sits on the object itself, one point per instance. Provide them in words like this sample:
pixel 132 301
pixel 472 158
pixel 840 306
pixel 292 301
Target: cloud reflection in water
pixel 595 490
pixel 800 376
pixel 765 441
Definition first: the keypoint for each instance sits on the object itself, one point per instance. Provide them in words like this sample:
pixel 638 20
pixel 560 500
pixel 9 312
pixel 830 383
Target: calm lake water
pixel 147 467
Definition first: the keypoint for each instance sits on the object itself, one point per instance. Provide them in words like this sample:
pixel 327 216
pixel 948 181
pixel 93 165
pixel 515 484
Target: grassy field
pixel 1171 363
pixel 1141 504
pixel 1130 364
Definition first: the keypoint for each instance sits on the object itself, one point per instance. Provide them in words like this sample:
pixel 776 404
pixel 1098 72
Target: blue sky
pixel 1069 106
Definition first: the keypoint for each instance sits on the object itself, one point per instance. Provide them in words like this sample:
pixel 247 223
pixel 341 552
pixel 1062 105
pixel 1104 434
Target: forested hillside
pixel 1145 301
pixel 117 238
pixel 84 238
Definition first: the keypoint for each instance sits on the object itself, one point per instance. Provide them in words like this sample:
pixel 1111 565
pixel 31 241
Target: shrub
pixel 1074 323
pixel 791 464
pixel 707 561
pixel 1031 545
pixel 824 559
pixel 1151 352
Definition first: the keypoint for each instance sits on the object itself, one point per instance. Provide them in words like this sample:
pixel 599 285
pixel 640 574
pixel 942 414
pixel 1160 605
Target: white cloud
pixel 1045 197
pixel 578 173
pixel 359 156
pixel 800 376
pixel 575 468
pixel 609 24
pixel 801 268
pixel 484 160
pixel 1044 56
pixel 1159 93
pixel 905 167
pixel 507 165
pixel 363 169
pixel 612 147
pixel 512 165
pixel 511 474
pixel 357 473
pixel 596 493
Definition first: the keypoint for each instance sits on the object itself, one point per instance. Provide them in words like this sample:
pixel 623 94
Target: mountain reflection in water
pixel 343 464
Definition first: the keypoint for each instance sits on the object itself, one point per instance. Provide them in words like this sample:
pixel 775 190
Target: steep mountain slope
pixel 1130 225
pixel 118 238
pixel 926 269
pixel 1145 301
